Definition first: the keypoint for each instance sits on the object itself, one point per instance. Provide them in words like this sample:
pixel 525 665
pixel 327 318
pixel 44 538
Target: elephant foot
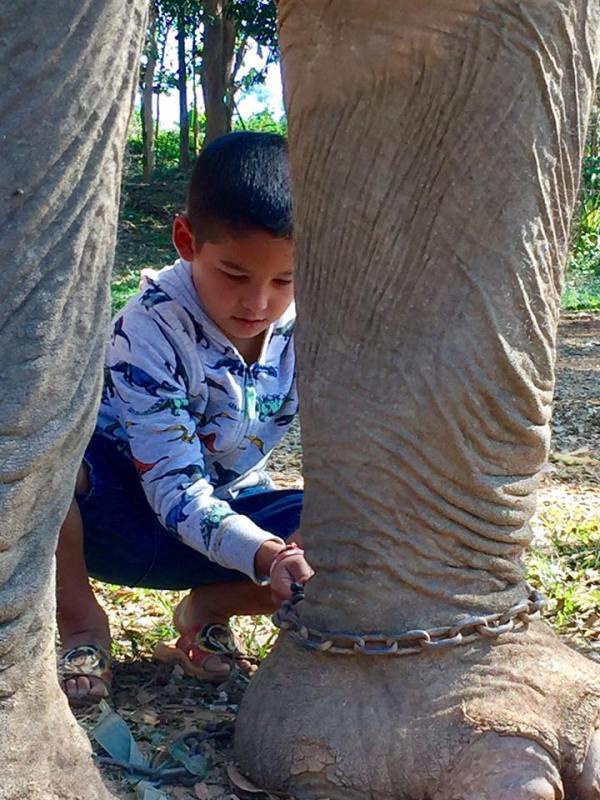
pixel 511 768
pixel 497 767
pixel 513 720
pixel 587 783
pixel 45 755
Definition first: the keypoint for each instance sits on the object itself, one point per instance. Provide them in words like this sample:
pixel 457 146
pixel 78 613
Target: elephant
pixel 435 152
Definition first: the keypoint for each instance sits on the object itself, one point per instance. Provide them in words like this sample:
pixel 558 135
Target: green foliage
pixel 166 147
pixel 585 252
pixel 583 266
pixel 122 288
pixel 582 292
pixel 257 20
pixel 566 568
pixel 167 142
pixel 263 121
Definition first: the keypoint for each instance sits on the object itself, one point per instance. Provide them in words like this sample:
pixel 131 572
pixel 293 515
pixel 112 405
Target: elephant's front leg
pixel 436 149
pixel 68 72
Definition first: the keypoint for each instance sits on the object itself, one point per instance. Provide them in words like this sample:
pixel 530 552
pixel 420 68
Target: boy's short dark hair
pixel 240 182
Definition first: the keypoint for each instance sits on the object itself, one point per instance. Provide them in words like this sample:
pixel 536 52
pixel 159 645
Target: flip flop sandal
pixel 193 648
pixel 86 661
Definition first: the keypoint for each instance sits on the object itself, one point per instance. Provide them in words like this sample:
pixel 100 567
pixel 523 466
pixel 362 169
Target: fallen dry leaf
pixel 574 459
pixel 246 786
pixel 240 781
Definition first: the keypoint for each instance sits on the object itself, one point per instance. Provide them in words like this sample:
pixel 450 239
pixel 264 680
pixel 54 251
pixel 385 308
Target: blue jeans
pixel 124 543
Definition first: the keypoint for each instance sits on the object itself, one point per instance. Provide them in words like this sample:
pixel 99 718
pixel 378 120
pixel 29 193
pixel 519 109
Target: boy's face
pixel 244 283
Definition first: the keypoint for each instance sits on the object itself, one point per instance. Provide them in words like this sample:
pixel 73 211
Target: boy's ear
pixel 183 238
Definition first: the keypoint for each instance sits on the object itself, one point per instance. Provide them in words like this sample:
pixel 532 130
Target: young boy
pixel 199 387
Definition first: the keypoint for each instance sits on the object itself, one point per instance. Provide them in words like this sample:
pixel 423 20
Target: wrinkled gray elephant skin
pixel 68 71
pixel 436 149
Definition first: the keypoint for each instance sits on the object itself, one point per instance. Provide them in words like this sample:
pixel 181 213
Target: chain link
pixel 467 629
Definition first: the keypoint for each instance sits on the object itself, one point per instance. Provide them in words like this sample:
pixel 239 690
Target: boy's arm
pixel 153 376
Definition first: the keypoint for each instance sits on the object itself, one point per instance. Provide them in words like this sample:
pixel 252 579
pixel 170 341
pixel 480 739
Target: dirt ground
pixel 573 472
pixel 160 705
pixel 576 422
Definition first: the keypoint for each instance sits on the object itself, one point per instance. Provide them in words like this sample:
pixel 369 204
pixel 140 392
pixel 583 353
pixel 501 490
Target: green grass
pixel 566 568
pixel 123 287
pixel 144 240
pixel 144 235
pixel 140 618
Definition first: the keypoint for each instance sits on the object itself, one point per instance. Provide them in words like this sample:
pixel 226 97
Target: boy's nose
pixel 257 301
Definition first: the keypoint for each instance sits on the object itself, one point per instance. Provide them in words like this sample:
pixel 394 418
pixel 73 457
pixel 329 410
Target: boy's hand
pixel 286 565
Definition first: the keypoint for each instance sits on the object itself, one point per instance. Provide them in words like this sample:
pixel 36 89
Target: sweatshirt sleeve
pixel 152 374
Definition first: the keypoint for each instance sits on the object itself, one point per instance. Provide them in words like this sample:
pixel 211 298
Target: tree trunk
pixel 232 86
pixel 195 129
pixel 217 63
pixel 594 137
pixel 157 116
pixel 184 122
pixel 161 64
pixel 147 91
pixel 72 70
pixel 435 149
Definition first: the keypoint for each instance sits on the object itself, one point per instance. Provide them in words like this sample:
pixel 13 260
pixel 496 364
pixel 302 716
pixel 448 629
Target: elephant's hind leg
pixel 495 767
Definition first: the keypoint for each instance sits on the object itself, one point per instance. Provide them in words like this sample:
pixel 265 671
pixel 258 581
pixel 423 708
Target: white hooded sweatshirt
pixel 198 422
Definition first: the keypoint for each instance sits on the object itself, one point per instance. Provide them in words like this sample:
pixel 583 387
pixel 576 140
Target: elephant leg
pixel 68 72
pixel 435 148
pixel 588 782
pixel 495 767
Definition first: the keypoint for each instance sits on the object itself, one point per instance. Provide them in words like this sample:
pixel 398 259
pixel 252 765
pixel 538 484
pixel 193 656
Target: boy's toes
pixel 84 688
pixel 69 687
pixel 212 667
pixel 85 673
pixel 217 666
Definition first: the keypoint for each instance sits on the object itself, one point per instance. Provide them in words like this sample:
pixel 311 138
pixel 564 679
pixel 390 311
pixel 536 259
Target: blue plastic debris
pixel 112 734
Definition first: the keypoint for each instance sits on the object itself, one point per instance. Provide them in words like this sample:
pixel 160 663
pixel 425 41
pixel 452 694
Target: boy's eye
pixel 283 282
pixel 234 276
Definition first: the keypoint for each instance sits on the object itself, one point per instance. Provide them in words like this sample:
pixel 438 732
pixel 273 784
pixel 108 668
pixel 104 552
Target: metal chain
pixel 466 629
